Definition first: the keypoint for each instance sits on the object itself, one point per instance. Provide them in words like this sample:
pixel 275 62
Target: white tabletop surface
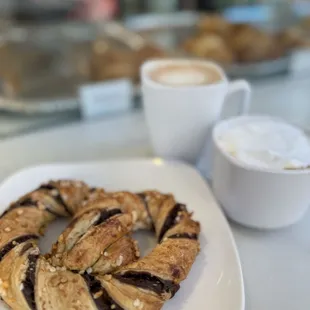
pixel 276 264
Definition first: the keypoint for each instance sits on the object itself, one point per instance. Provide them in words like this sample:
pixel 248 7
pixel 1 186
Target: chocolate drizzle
pixel 24 202
pixel 148 281
pixel 106 214
pixel 27 202
pixel 171 219
pixel 25 248
pixel 142 196
pixel 29 282
pixel 57 197
pixel 184 236
pixel 12 244
pixel 100 296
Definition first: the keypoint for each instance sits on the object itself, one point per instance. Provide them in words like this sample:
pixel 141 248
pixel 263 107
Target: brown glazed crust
pixel 154 200
pixel 92 245
pixel 57 288
pixel 72 193
pixel 44 199
pixel 129 297
pixel 95 262
pixel 123 252
pixel 133 205
pixel 13 269
pixel 166 206
pixel 80 225
pixel 74 246
pixel 23 221
pixel 171 260
pixel 185 224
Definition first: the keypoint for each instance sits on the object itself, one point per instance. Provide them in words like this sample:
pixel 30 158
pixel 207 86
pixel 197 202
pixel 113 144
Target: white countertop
pixel 276 264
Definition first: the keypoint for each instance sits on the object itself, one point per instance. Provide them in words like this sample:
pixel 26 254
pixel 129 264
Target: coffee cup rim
pixel 149 64
pixel 226 124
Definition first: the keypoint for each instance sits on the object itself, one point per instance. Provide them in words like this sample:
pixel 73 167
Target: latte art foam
pixel 183 77
pixel 179 74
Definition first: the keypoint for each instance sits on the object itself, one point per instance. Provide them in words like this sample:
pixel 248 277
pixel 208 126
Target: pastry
pixel 95 262
pixel 21 225
pixel 293 37
pixel 111 62
pixel 227 43
pixel 214 24
pixel 20 65
pixel 305 23
pixel 89 235
pixel 107 62
pixel 210 46
pixel 250 44
pixel 147 52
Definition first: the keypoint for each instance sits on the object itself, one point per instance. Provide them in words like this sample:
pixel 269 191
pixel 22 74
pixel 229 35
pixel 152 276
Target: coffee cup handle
pixel 243 87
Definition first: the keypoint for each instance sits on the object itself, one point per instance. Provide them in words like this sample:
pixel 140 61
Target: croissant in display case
pixel 17 63
pixel 251 44
pixel 228 43
pixel 110 62
pixel 215 24
pixel 210 46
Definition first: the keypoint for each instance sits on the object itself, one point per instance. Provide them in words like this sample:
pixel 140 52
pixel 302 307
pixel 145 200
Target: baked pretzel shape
pixel 95 262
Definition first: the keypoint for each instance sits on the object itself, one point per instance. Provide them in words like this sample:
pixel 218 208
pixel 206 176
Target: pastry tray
pixel 169 30
pixel 165 30
pixel 55 90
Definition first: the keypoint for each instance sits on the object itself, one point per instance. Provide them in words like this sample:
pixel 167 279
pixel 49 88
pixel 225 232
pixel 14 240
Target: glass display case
pixel 52 53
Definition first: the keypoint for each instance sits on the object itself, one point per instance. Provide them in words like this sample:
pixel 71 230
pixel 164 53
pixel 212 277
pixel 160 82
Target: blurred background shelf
pixel 66 29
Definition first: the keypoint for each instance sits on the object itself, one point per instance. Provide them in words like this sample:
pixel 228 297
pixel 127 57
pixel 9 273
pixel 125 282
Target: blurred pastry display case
pixel 245 48
pixel 42 68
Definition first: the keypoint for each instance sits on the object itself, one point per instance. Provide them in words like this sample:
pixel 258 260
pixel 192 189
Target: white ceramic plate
pixel 215 281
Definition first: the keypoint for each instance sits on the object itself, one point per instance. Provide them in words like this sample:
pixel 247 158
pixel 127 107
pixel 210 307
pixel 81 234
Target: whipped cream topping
pixel 267 144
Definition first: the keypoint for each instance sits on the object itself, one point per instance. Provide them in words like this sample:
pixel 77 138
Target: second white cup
pixel 180 117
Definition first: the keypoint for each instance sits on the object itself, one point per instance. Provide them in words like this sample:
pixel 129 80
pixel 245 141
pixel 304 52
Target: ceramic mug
pixel 257 197
pixel 180 118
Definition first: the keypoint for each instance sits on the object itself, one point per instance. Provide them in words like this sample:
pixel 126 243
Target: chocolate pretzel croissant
pixel 95 262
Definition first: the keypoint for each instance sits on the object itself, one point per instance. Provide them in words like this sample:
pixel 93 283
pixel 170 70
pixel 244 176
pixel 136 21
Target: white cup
pixel 256 197
pixel 180 118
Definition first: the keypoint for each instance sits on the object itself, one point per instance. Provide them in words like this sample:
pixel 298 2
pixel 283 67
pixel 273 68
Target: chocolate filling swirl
pixel 12 244
pixel 29 282
pixel 106 214
pixel 142 196
pixel 184 236
pixel 57 197
pixel 148 281
pixel 171 219
pixel 100 296
pixel 26 202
